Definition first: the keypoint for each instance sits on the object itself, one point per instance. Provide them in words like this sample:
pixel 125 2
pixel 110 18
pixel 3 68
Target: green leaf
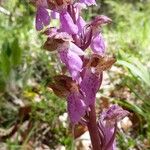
pixel 138 71
pixel 5 60
pixel 16 53
pixel 131 106
pixel 6 48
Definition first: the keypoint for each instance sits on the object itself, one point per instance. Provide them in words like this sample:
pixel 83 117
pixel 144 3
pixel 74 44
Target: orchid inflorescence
pixel 72 41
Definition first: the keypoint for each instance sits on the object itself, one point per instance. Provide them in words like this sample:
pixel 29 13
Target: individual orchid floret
pixel 91 35
pixel 69 53
pixel 64 86
pixel 76 104
pixel 91 81
pixel 70 56
pixel 92 76
pixel 73 63
pixel 107 125
pixel 76 107
pixel 90 84
pixel 42 18
pixel 114 114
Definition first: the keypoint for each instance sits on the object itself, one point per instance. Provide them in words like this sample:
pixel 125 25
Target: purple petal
pixel 67 24
pixel 98 45
pixel 113 115
pixel 108 124
pixel 80 23
pixel 89 86
pixel 54 15
pixel 63 56
pixel 75 49
pixel 42 18
pixel 73 62
pixel 76 107
pixel 88 2
pixel 108 137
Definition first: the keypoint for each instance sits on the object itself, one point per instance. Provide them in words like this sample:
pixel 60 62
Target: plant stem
pixel 93 130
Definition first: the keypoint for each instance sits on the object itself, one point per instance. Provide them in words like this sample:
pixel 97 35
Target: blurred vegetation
pixel 25 70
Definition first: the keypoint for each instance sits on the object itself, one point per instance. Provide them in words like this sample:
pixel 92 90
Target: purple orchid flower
pixel 90 84
pixel 107 125
pixel 69 52
pixel 42 18
pixel 97 43
pixel 72 61
pixel 76 107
